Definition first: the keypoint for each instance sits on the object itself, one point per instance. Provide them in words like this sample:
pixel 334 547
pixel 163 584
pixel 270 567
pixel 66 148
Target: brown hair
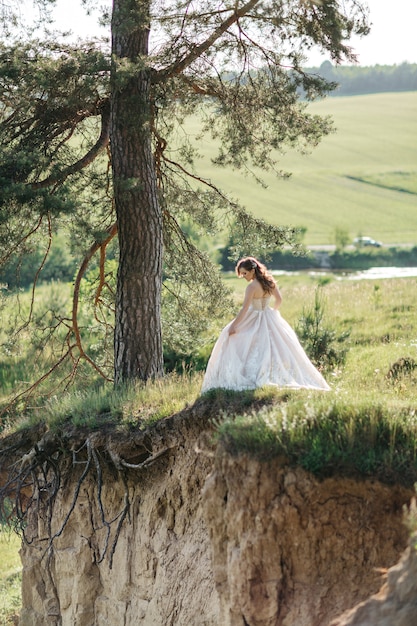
pixel 261 273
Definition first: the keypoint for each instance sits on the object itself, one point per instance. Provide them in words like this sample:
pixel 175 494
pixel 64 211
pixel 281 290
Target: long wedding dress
pixel 264 351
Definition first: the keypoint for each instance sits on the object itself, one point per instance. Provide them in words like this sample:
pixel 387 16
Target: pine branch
pixel 88 158
pixel 179 66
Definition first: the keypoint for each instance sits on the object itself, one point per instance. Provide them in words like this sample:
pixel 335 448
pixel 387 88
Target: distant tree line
pixel 339 259
pixel 353 80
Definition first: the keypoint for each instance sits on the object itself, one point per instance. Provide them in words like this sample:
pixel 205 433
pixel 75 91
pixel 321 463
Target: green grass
pixel 127 405
pixel 10 576
pixel 329 436
pixel 380 316
pixel 362 178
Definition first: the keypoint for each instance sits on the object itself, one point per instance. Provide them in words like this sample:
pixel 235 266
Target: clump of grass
pixel 128 404
pixel 161 398
pixel 327 436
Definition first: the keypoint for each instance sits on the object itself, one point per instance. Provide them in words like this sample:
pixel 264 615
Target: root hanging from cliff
pixel 34 479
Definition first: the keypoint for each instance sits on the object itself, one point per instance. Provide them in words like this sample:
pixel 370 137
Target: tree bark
pixel 137 337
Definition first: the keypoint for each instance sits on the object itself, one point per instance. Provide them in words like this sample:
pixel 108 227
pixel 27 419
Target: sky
pixel 392 39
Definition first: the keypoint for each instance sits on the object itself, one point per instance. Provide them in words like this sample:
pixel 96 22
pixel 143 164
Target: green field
pixel 362 178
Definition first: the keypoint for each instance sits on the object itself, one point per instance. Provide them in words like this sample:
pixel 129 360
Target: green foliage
pixel 21 269
pixel 347 260
pixel 362 259
pixel 322 344
pixel 341 238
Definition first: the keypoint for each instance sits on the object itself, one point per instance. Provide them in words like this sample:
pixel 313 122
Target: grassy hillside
pixel 362 178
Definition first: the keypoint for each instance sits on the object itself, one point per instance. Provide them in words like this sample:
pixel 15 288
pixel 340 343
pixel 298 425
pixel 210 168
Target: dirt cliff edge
pixel 200 538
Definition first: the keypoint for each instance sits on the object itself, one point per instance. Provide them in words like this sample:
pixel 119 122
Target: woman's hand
pixel 245 306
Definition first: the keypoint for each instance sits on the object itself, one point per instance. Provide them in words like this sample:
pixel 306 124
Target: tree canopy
pixel 93 144
pixel 353 80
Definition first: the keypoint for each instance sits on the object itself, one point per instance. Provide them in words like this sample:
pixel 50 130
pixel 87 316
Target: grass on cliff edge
pixel 366 425
pixel 360 432
pixel 325 433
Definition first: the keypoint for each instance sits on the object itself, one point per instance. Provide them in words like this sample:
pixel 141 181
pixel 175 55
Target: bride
pixel 259 347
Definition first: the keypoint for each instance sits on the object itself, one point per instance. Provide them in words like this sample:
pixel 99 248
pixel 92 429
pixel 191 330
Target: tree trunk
pixel 137 339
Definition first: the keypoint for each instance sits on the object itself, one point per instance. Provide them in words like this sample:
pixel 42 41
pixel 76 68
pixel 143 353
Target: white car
pixel 366 241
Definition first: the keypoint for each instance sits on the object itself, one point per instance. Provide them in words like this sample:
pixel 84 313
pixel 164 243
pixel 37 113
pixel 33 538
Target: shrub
pixel 321 343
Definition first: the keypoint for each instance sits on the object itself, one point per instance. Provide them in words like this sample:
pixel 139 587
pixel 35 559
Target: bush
pixel 321 343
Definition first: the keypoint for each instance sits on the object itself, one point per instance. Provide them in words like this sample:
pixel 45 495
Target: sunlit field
pixel 362 178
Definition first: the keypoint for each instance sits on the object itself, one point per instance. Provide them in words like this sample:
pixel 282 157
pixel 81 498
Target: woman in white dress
pixel 259 347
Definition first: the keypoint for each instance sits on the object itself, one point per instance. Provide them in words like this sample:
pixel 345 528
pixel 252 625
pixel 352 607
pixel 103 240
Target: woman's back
pixel 260 304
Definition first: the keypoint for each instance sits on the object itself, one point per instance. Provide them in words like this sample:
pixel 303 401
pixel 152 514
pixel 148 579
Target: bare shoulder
pixel 250 288
pixel 256 289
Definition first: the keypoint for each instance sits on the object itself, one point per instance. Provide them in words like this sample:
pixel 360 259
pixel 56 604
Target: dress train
pixel 264 351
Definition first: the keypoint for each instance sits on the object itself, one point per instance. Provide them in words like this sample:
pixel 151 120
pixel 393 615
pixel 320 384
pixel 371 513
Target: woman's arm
pixel 276 294
pixel 246 303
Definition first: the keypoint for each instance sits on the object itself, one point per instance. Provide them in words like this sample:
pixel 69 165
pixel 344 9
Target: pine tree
pixel 90 141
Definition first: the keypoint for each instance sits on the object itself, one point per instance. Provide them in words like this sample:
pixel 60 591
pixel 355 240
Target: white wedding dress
pixel 264 351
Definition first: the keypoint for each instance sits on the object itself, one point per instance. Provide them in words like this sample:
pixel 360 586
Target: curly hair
pixel 261 273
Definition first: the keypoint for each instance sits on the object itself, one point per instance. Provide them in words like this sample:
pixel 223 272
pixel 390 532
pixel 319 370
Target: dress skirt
pixel 264 351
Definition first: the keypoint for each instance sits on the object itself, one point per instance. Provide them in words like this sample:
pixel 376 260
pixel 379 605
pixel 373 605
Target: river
pixel 373 273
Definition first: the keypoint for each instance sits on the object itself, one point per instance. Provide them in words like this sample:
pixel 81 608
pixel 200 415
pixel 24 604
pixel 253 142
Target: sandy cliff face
pixel 396 603
pixel 158 572
pixel 290 550
pixel 207 540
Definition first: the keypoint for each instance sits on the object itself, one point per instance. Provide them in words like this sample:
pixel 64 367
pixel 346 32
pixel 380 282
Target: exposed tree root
pixel 31 481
